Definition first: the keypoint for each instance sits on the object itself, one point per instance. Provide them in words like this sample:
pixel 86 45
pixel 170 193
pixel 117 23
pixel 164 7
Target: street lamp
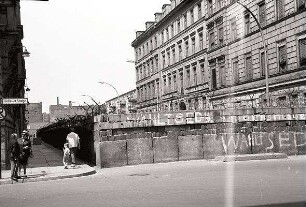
pixel 25 52
pixel 102 82
pixel 265 50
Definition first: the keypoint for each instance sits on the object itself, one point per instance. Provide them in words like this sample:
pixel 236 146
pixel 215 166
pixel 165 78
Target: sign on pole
pixel 14 101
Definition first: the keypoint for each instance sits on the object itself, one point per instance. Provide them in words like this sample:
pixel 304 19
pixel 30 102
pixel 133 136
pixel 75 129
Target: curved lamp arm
pixel 101 82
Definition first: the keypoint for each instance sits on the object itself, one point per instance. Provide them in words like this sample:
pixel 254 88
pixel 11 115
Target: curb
pixel 31 180
pixel 231 158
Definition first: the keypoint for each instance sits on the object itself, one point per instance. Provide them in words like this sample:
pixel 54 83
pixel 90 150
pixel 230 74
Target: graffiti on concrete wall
pixel 262 142
pixel 178 118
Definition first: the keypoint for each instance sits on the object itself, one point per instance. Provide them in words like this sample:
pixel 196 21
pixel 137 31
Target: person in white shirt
pixel 66 155
pixel 73 140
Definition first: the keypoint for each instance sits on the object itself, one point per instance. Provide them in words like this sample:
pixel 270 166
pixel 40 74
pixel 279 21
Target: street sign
pixel 14 101
pixel 2 113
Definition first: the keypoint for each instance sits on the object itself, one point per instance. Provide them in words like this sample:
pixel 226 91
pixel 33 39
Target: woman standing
pixel 14 150
pixel 26 150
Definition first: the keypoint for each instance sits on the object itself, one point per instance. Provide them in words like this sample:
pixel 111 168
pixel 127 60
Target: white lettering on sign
pixel 14 101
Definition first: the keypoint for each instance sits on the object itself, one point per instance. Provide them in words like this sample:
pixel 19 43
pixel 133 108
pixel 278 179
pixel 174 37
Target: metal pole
pixel 110 86
pixel 101 82
pixel 265 51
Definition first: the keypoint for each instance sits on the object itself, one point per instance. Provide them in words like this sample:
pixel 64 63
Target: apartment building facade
pixel 241 51
pixel 171 63
pixel 123 104
pixel 200 54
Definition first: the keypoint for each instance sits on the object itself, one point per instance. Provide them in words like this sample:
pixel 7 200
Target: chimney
pixel 166 9
pixel 158 16
pixel 57 100
pixel 149 24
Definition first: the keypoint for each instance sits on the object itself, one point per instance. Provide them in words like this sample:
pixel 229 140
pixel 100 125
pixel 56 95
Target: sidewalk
pixel 47 165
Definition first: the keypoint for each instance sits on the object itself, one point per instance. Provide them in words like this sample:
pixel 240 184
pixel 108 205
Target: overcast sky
pixel 74 44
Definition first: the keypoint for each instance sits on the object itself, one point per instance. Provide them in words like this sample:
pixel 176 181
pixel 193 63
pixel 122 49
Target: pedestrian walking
pixel 26 151
pixel 14 152
pixel 73 140
pixel 66 155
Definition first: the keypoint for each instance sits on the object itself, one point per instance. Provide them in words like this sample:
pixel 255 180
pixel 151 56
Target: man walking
pixel 73 140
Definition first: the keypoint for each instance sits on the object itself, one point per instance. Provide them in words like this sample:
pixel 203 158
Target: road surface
pixel 190 183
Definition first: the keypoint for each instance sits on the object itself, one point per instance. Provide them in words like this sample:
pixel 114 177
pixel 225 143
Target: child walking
pixel 66 155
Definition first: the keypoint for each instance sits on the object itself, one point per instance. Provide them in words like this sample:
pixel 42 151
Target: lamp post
pixel 25 52
pixel 102 82
pixel 265 51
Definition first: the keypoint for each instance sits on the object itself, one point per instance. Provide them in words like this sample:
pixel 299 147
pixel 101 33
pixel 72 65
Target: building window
pixel 211 39
pixel 180 52
pixel 280 9
pixel 192 45
pixel 178 25
pixel 220 35
pixel 233 29
pixel 213 78
pixel 173 55
pixel 174 83
pixel 172 30
pixel 186 48
pixel 302 51
pixel 156 62
pixel 168 55
pixel 169 83
pixel 144 71
pixel 301 4
pixel 199 11
pixel 164 60
pixel 167 35
pixel 165 84
pixel 282 55
pixel 162 37
pixel 191 16
pixel 201 40
pixel 155 39
pixel 153 89
pixel 185 20
pixel 151 44
pixel 210 7
pixel 235 72
pixel 246 24
pixel 262 13
pixel 262 63
pixel 202 72
pixel 218 4
pixel 222 74
pixel 195 79
pixel 188 77
pixel 181 81
pixel 248 67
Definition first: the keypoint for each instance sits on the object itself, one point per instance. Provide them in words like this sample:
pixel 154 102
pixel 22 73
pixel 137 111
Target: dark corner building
pixel 12 70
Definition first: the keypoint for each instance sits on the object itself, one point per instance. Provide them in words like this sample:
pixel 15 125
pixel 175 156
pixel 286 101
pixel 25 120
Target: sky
pixel 74 44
